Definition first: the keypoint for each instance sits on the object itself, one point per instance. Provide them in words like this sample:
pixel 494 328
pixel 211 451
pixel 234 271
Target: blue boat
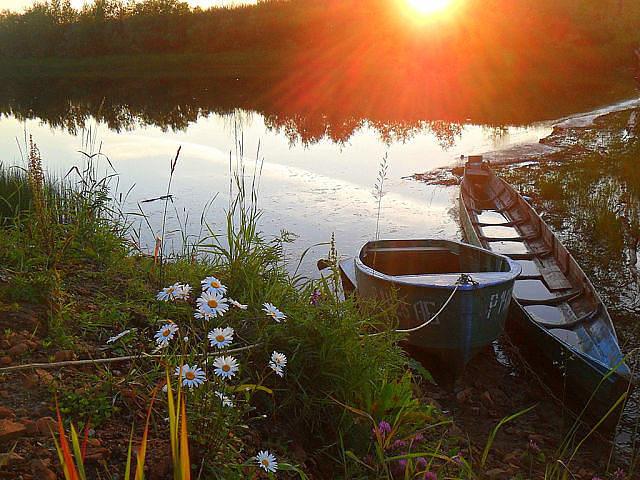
pixel 557 319
pixel 454 297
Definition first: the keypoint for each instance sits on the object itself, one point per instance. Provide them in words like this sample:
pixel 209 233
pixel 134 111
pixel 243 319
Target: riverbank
pixel 83 304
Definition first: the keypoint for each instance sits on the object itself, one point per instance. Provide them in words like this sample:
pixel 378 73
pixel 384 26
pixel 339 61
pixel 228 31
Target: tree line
pixel 371 28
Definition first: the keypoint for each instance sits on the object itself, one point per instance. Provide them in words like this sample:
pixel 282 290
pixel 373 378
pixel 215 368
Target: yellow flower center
pixel 212 303
pixel 215 284
pixel 220 338
pixel 265 462
pixel 170 290
pixel 166 332
pixel 226 368
pixel 189 375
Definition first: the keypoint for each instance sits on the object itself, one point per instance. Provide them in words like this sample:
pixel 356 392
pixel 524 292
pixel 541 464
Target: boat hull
pixel 474 311
pixel 556 318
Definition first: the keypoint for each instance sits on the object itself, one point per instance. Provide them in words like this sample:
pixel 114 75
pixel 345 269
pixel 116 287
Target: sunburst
pixel 428 6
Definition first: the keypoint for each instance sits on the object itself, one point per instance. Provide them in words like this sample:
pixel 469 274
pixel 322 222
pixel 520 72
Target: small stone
pixel 44 377
pixel 464 396
pixel 30 381
pixel 46 425
pixel 40 469
pixel 63 355
pixel 6 412
pixel 10 430
pixel 32 428
pixel 496 473
pixel 18 349
pixel 486 399
pixel 95 454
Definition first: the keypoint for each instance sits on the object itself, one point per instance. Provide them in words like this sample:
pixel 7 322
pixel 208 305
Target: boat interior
pixel 420 257
pixel 552 287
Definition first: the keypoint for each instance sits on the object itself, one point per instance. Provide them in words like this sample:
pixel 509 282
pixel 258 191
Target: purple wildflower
pixel 430 476
pixel 315 297
pixel 398 444
pixel 421 463
pixel 384 428
pixel 418 438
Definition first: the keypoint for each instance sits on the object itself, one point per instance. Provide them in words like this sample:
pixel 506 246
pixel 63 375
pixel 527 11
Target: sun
pixel 428 6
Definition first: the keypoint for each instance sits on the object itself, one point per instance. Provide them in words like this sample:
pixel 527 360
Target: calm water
pixel 310 189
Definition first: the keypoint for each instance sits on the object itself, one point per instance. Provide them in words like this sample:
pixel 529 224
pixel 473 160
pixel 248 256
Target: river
pixel 312 190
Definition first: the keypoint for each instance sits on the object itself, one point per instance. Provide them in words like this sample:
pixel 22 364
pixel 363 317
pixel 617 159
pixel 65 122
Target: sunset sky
pixel 19 5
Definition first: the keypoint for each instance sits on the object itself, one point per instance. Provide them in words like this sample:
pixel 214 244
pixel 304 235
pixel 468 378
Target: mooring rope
pixel 464 279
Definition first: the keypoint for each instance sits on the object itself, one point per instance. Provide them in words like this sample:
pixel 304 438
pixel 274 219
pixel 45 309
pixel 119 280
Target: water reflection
pixel 318 114
pixel 174 105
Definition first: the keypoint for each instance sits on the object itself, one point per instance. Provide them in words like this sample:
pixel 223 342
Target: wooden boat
pixel 473 285
pixel 556 319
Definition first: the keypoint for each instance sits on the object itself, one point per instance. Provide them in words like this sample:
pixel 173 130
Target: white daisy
pixel 237 304
pixel 276 368
pixel 267 461
pixel 168 293
pixel 225 367
pixel 118 336
pixel 226 401
pixel 221 337
pixel 279 358
pixel 191 376
pixel 182 291
pixel 165 334
pixel 272 311
pixel 211 305
pixel 213 285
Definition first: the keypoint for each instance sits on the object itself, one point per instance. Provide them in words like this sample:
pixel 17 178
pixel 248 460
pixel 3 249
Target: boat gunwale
pixel 412 279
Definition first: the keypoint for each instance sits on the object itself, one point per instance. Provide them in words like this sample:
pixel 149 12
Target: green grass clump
pixel 66 249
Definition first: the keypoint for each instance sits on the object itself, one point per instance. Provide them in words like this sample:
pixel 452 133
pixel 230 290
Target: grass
pixel 344 402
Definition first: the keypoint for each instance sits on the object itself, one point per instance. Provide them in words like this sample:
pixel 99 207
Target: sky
pixel 19 5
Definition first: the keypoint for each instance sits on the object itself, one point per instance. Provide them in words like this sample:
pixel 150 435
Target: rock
pixel 6 360
pixel 46 425
pixel 95 454
pixel 513 457
pixel 10 430
pixel 486 399
pixel 44 377
pixel 41 470
pixel 30 381
pixel 18 349
pixel 6 412
pixel 496 473
pixel 63 355
pixel 30 425
pixel 464 396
